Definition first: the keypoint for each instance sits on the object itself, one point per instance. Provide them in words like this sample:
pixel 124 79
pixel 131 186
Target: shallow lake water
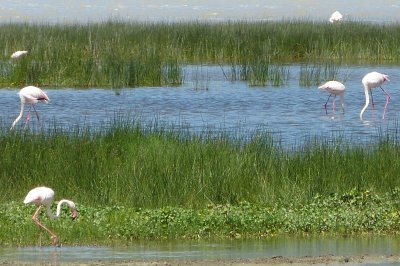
pixel 200 250
pixel 208 101
pixel 181 10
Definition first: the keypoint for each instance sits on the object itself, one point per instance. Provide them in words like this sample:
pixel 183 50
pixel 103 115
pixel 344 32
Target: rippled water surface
pixel 207 100
pixel 178 10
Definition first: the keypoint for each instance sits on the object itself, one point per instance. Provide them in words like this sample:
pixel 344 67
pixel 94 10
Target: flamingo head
pixel 74 213
pixel 385 77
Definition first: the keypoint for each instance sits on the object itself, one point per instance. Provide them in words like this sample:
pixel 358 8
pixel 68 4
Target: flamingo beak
pixel 74 214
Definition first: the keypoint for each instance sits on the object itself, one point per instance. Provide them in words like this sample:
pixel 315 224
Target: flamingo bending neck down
pixel 45 196
pixel 334 88
pixel 370 81
pixel 30 95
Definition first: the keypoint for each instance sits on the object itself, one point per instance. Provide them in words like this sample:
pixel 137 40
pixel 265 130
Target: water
pixel 207 100
pixel 180 10
pixel 200 250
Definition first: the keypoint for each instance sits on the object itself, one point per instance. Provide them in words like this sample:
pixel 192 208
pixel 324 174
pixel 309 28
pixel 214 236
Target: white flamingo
pixel 30 95
pixel 370 81
pixel 44 196
pixel 336 17
pixel 18 54
pixel 334 88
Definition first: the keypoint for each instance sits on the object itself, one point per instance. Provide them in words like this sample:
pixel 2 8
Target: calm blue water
pixel 179 10
pixel 208 101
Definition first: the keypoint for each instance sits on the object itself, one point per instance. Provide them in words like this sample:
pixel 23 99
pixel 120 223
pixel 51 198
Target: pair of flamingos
pixel 370 81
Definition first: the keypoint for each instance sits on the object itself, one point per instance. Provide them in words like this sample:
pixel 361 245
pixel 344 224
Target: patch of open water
pixel 207 100
pixel 200 250
pixel 73 11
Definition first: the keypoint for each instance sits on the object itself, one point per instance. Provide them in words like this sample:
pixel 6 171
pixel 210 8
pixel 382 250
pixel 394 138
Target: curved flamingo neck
pixel 70 204
pixel 366 91
pixel 19 116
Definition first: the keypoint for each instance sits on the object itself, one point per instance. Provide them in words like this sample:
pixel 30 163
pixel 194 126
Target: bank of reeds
pixel 122 54
pixel 136 166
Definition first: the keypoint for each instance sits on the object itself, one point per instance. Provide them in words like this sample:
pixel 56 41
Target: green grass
pixel 354 212
pixel 155 166
pixel 130 54
pixel 135 182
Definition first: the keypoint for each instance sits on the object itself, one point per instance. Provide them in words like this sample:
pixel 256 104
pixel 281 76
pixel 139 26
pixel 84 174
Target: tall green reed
pixel 314 75
pixel 129 164
pixel 118 53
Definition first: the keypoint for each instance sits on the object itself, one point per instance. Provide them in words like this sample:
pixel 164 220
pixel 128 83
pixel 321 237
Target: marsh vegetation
pixel 133 183
pixel 150 182
pixel 129 54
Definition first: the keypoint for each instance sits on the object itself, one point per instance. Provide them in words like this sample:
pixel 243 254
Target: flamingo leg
pixel 40 229
pixel 387 101
pixel 40 236
pixel 54 237
pixel 333 103
pixel 326 110
pixel 372 100
pixel 37 115
pixel 28 118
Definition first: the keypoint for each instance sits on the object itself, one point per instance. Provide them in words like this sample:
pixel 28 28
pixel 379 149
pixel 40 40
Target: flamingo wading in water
pixel 30 95
pixel 334 88
pixel 370 81
pixel 44 196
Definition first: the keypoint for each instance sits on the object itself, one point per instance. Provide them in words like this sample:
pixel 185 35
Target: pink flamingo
pixel 334 88
pixel 370 81
pixel 30 95
pixel 45 196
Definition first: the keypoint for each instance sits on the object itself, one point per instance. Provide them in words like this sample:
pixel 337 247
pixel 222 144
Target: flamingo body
pixel 336 17
pixel 370 81
pixel 334 88
pixel 40 196
pixel 18 54
pixel 30 95
pixel 44 196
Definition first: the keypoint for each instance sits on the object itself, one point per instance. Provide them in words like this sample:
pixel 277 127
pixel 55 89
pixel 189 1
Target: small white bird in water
pixel 334 88
pixel 336 17
pixel 18 54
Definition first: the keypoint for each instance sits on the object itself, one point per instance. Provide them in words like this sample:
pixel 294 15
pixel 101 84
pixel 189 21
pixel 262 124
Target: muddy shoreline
pixel 278 260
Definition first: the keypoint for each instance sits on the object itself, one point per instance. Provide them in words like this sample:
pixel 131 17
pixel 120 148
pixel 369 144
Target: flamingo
pixel 336 17
pixel 370 81
pixel 334 88
pixel 18 54
pixel 30 95
pixel 45 196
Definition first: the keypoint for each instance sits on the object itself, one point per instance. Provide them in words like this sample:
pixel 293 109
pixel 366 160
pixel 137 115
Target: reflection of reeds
pixel 118 54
